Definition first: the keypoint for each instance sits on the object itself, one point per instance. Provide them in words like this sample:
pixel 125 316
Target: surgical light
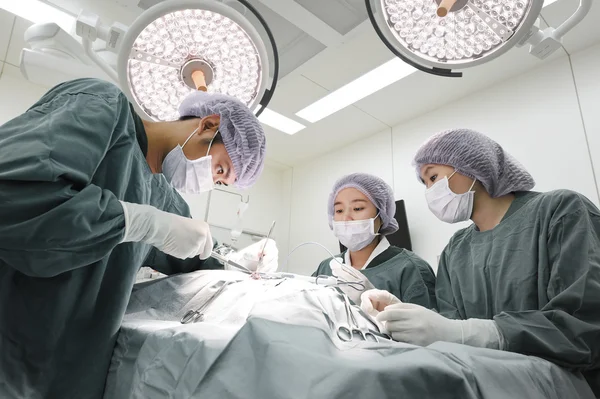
pixel 437 36
pixel 179 46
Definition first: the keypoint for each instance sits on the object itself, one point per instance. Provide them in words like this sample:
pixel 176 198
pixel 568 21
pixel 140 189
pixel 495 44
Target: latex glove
pixel 351 275
pixel 172 234
pixel 249 257
pixel 375 301
pixel 414 324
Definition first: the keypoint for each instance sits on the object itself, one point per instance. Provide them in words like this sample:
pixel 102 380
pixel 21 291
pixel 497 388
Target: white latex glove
pixel 375 301
pixel 414 324
pixel 172 234
pixel 350 274
pixel 249 257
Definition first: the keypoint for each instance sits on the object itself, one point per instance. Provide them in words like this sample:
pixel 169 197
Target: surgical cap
pixel 376 190
pixel 476 156
pixel 242 133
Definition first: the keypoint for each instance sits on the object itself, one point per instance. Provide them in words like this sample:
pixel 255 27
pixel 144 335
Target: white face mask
pixel 355 234
pixel 189 176
pixel 448 206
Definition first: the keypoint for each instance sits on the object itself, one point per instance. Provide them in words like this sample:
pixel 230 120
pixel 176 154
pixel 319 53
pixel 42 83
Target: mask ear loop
pixel 211 141
pixel 472 185
pixel 190 136
pixel 380 224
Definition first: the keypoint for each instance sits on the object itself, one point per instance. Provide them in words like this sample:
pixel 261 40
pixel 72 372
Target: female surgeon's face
pixel 432 173
pixel 351 204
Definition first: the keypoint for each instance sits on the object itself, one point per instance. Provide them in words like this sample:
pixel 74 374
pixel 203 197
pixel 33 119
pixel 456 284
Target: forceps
pixel 363 334
pixel 343 331
pixel 192 316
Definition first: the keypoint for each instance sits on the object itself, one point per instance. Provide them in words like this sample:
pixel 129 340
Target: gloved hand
pixel 375 301
pixel 350 275
pixel 414 324
pixel 249 257
pixel 172 234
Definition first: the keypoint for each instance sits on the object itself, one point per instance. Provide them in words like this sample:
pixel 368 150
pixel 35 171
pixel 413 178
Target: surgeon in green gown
pixel 361 211
pixel 87 196
pixel 524 277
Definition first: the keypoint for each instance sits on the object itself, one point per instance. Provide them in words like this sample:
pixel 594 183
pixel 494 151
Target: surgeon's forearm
pixel 169 265
pixel 552 335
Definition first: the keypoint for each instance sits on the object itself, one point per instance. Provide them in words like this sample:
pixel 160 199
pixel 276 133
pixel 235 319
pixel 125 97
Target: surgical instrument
pixel 362 334
pixel 192 316
pixel 226 260
pixel 261 255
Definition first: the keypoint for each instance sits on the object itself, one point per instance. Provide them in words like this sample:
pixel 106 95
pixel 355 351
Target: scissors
pixel 377 332
pixel 228 261
pixel 193 316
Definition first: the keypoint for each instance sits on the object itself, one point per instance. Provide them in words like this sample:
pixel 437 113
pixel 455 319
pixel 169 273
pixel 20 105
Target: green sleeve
pixel 566 330
pixel 52 219
pixel 419 281
pixel 443 289
pixel 168 264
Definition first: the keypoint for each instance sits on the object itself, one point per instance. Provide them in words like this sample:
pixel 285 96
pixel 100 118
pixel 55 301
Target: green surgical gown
pixel 537 274
pixel 65 279
pixel 398 271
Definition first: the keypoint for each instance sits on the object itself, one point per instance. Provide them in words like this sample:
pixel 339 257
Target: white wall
pixel 586 67
pixel 268 201
pixel 535 116
pixel 16 93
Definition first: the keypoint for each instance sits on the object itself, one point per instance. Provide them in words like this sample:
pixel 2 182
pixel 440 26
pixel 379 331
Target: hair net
pixel 476 156
pixel 242 133
pixel 376 190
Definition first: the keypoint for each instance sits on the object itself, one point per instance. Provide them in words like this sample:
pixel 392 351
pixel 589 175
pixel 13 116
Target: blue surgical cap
pixel 242 133
pixel 376 190
pixel 476 156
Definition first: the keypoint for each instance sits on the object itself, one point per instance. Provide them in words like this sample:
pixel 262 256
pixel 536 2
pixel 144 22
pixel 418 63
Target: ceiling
pixel 325 44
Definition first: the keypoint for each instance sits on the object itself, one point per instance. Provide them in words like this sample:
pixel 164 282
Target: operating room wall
pixel 16 93
pixel 268 200
pixel 535 116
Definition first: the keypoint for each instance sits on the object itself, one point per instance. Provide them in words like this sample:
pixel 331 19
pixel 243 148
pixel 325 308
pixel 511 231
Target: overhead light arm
pixel 547 41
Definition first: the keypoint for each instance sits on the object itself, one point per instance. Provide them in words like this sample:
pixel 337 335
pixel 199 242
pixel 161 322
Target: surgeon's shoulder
pixel 97 88
pixel 462 236
pixel 420 263
pixel 560 203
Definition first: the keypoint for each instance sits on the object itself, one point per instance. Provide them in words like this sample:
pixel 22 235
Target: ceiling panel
pixel 123 11
pixel 341 15
pixel 581 36
pixel 294 45
pixel 6 25
pixel 422 92
pixel 340 65
pixel 344 127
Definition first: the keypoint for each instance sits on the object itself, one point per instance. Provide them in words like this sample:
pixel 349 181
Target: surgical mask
pixel 448 206
pixel 355 234
pixel 189 176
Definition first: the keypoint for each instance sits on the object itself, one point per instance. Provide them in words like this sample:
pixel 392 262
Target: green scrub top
pixel 537 274
pixel 65 277
pixel 399 272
